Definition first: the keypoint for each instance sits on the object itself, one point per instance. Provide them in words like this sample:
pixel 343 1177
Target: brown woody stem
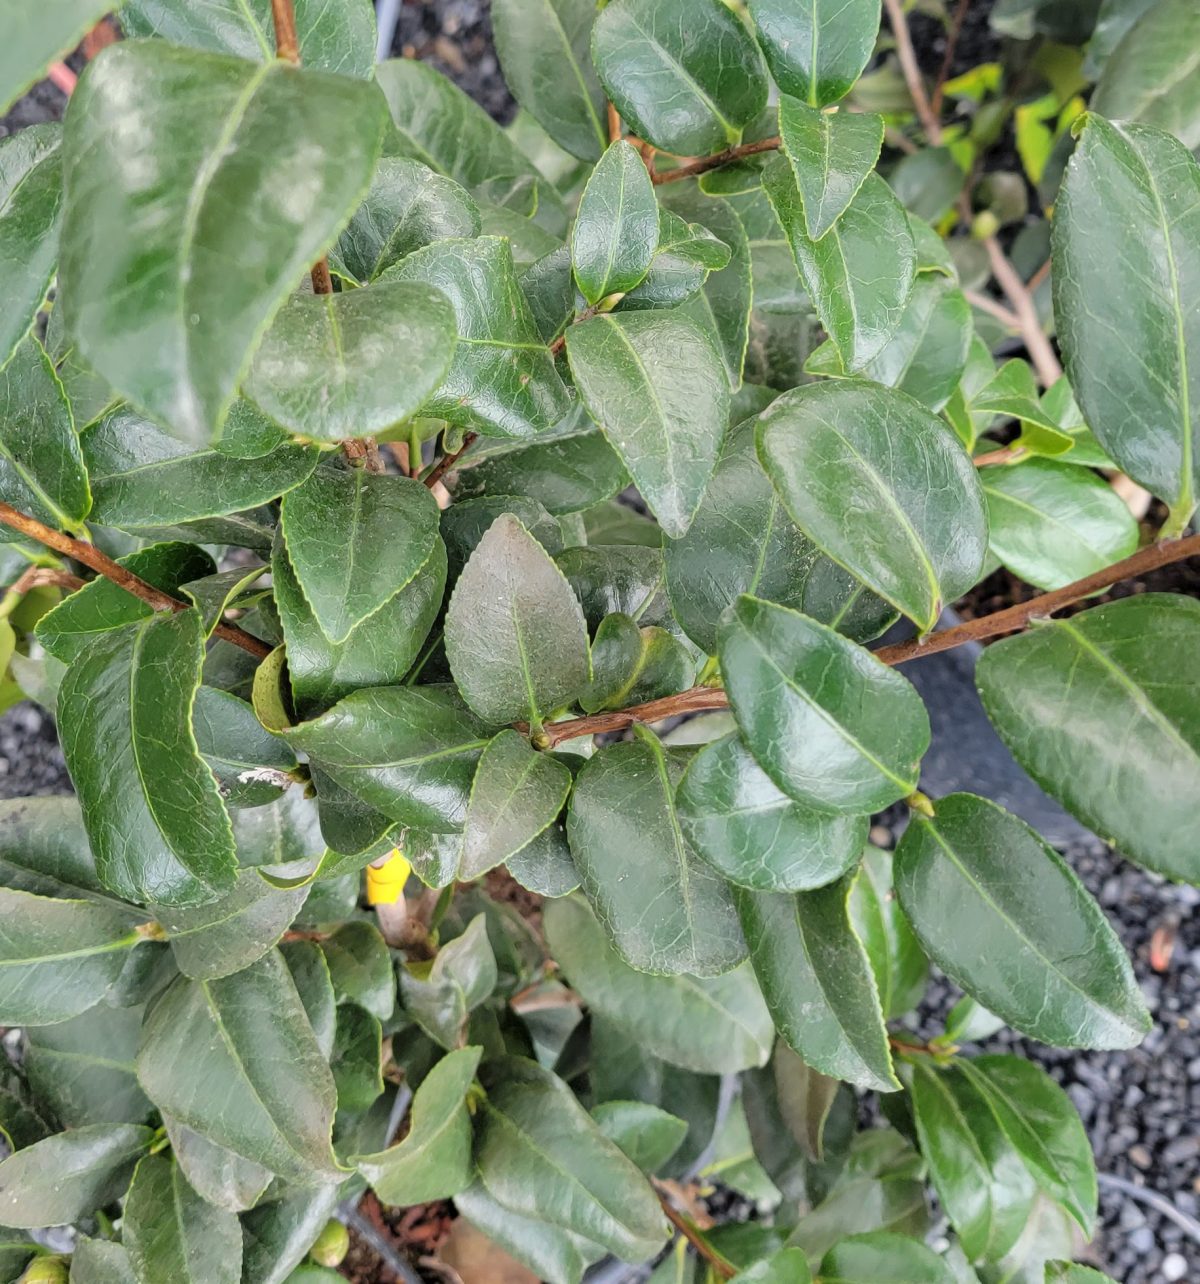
pixel 1011 620
pixel 614 124
pixel 720 1265
pixel 727 157
pixel 89 555
pixel 443 465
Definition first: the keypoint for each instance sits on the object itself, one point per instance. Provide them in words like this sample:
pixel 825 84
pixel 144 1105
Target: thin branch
pixel 46 577
pixel 89 555
pixel 443 465
pixel 727 157
pixel 912 72
pixel 1002 455
pixel 688 1229
pixel 287 42
pixel 1006 316
pixel 1011 620
pixel 614 124
pixel 62 77
pixel 1041 350
pixel 956 26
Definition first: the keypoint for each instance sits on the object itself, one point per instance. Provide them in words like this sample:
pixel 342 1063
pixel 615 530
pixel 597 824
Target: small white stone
pixel 1174 1267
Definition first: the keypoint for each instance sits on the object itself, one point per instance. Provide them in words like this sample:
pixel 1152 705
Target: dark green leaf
pixel 664 908
pixel 252 766
pixel 539 1153
pixel 515 634
pixel 564 476
pixel 30 204
pixel 687 253
pixel 632 665
pixel 612 579
pixel 654 383
pixel 464 524
pixel 684 74
pixel 171 1233
pixel 69 1175
pixel 1102 710
pixel 277 1235
pixel 310 972
pixel 716 1025
pixel 805 1098
pixel 644 1133
pixel 816 49
pixel 616 229
pixel 817 982
pixel 236 1061
pixel 829 724
pixel 881 1258
pixel 1006 919
pixel 357 1059
pixel 502 381
pixel 360 968
pixel 218 1175
pixel 215 134
pixel 440 998
pixel 434 1159
pixel 213 595
pixel 1133 351
pixel 831 154
pixel 734 816
pixel 151 806
pixel 920 531
pixel 34 38
pixel 545 865
pixel 901 969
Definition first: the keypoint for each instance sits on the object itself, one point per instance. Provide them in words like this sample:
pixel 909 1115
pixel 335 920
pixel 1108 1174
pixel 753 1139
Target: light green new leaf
pixel 883 1258
pixel 150 804
pixel 757 837
pixel 984 1187
pixel 355 539
pixel 817 982
pixel 828 723
pixel 901 969
pixel 684 74
pixel 334 366
pixel 712 1025
pixel 30 206
pixel 1007 920
pixel 34 36
pixel 654 383
pixel 236 1061
pixel 172 1233
pixel 516 795
pixel 407 207
pixel 57 957
pixel 42 473
pixel 816 49
pixel 919 536
pixel 1128 325
pixel 544 48
pixel 216 205
pixel 515 634
pixel 434 1159
pixel 338 38
pixel 1103 710
pixel 69 1175
pixel 539 1153
pixel 616 230
pixel 502 381
pixel 218 1175
pixel 860 273
pixel 360 968
pixel 664 908
pixel 831 154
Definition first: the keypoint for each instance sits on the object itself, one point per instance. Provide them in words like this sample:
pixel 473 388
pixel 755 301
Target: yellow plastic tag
pixel 385 883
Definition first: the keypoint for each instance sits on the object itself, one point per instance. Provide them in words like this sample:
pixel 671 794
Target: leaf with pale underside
pixel 831 155
pixel 218 1175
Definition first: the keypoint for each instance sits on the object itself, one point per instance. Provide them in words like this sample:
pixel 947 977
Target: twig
pixel 956 26
pixel 1006 316
pixel 45 577
pixel 62 77
pixel 1002 455
pixel 443 465
pixel 720 1265
pixel 1041 350
pixel 102 564
pixel 727 157
pixel 1011 620
pixel 912 72
pixel 614 124
pixel 1154 1200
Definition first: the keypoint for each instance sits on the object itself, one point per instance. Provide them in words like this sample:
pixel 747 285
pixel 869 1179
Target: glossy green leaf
pixel 434 1159
pixel 829 724
pixel 664 908
pixel 252 766
pixel 687 253
pixel 654 383
pixel 408 752
pixel 142 476
pixel 805 1098
pixel 217 134
pixel 684 74
pixel 441 997
pixel 920 532
pixel 236 1061
pixel 788 1266
pixel 69 1175
pixel 360 968
pixel 1052 524
pixel 516 795
pixel 310 973
pixel 613 579
pixel 151 806
pixel 357 1059
pixel 1043 1126
pixel 171 1233
pixel 733 815
pixel 539 1153
pixel 1006 919
pixel 280 836
pixel 860 273
pixel 30 206
pixel 545 865
pixel 36 37
pixel 817 982
pixel 545 55
pixel 515 634
pixel 831 154
pixel 816 49
pixel 716 1025
pixel 502 381
pixel 219 1176
pixel 881 1258
pixel 1130 339
pixel 1102 711
pixel 44 850
pixel 616 230
pixel 277 1235
pixel 41 471
pixel 354 539
pixel 341 38
pixel 631 665
pixel 979 1177
pixel 334 366
pixel 644 1133
pixel 466 522
pixel 57 957
pixel 901 969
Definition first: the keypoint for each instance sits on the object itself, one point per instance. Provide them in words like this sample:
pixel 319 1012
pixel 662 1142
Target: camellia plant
pixel 318 392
